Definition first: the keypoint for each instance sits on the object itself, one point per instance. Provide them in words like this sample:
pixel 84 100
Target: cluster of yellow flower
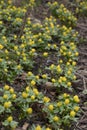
pixel 8 98
pixel 81 7
pixel 38 127
pixel 66 107
pixel 62 13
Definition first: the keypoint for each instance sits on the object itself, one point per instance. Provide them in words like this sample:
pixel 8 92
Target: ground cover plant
pixel 43 55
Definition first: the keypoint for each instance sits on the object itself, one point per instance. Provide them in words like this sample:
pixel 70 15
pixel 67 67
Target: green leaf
pixel 5 123
pixel 1 90
pixel 1 109
pixel 85 91
pixel 13 124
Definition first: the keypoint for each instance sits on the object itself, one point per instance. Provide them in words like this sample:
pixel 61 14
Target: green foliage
pixel 63 14
pixel 62 111
pixel 81 7
pixel 26 47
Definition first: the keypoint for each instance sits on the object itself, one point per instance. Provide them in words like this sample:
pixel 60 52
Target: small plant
pixel 62 13
pixel 6 106
pixel 10 123
pixel 81 7
pixel 63 111
pixel 38 127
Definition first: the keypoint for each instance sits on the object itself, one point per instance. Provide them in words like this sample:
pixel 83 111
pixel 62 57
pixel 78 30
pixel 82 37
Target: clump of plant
pixel 81 7
pixel 38 127
pixel 61 112
pixel 7 99
pixel 63 14
pixel 11 102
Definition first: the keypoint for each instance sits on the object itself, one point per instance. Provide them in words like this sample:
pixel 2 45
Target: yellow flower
pixel 64 53
pixel 64 79
pixel 29 110
pixel 5 70
pixel 15 48
pixel 76 108
pixel 60 61
pixel 18 53
pixel 70 60
pixel 48 129
pixel 6 51
pixel 59 80
pixel 10 118
pixel 14 96
pixel 61 51
pixel 53 80
pixel 44 76
pixel 32 97
pixel 27 89
pixel 72 113
pixel 24 95
pixel 38 128
pixel 24 58
pixel 59 104
pixel 62 42
pixel 7 57
pixel 1 22
pixel 68 84
pixel 56 118
pixel 64 48
pixel 68 63
pixel 69 72
pixel 6 87
pixel 5 96
pixel 50 107
pixel 49 45
pixel 40 40
pixel 55 46
pixel 22 45
pixel 1 46
pixel 37 77
pixel 3 37
pixel 52 66
pixel 11 90
pixel 45 54
pixel 33 50
pixel 22 37
pixel 31 42
pixel 18 67
pixel 65 95
pixel 7 104
pixel 73 47
pixel 74 77
pixel 33 83
pixel 15 36
pixel 23 54
pixel 35 91
pixel 46 99
pixel 76 99
pixel 59 70
pixel 73 63
pixel 67 101
pixel 30 73
pixel 1 59
pixel 76 54
pixel 52 25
